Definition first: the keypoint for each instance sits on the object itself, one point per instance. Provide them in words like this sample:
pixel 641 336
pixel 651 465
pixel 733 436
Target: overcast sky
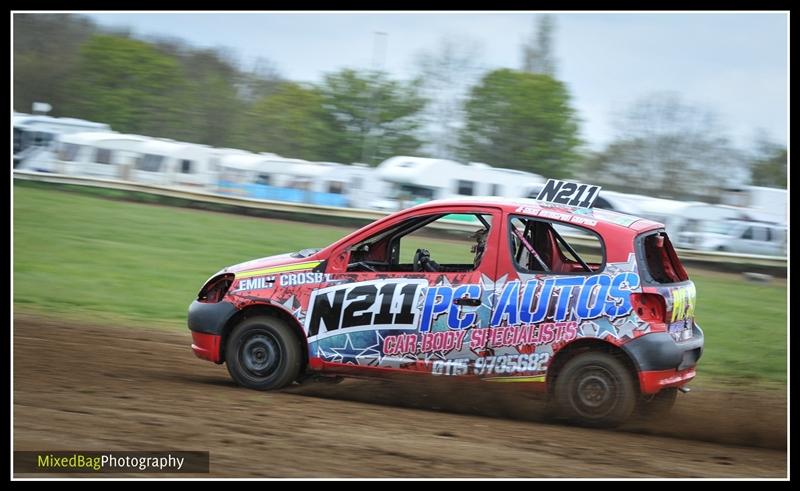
pixel 734 64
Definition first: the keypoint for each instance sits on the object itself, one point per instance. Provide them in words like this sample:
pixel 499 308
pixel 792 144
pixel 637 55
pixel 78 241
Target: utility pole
pixel 378 59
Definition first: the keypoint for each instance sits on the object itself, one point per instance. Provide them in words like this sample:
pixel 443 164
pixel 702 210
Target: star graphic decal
pixel 346 354
pixel 289 303
pixel 371 355
pixel 606 327
pixel 627 266
pixel 324 355
pixel 588 329
pixel 625 328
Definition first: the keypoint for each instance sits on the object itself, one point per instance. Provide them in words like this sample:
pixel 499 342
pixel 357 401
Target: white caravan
pixel 172 163
pixel 35 134
pixel 272 177
pixel 107 155
pixel 414 180
pixel 768 204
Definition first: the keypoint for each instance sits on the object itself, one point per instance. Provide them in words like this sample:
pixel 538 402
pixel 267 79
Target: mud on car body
pixel 590 306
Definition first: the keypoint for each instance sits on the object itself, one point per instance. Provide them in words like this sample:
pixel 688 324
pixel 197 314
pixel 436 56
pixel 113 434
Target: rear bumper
pixel 207 346
pixel 663 362
pixel 659 351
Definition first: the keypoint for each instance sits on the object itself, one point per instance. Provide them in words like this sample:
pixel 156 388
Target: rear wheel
pixel 595 389
pixel 262 353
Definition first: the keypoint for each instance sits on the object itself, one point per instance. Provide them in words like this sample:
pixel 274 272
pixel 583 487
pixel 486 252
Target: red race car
pixel 590 306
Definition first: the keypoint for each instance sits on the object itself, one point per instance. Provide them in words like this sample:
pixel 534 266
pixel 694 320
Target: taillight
pixel 216 288
pixel 650 307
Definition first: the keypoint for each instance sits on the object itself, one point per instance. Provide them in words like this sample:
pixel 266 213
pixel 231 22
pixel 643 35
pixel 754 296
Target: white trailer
pixel 107 155
pixel 414 180
pixel 34 135
pixel 172 163
pixel 238 168
pixel 767 204
pixel 272 177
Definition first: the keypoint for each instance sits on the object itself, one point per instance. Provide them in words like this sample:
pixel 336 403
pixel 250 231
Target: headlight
pixel 216 288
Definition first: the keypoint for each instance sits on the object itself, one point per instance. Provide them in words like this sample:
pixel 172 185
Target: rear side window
pixel 539 246
pixel 663 265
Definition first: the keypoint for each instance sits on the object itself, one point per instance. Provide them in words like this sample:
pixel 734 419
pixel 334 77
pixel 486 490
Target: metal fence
pixel 302 209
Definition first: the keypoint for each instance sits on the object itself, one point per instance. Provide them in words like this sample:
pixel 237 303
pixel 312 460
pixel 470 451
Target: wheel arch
pixel 584 345
pixel 270 310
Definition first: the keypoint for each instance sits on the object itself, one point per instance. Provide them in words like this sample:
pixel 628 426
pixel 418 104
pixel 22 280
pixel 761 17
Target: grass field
pixel 89 258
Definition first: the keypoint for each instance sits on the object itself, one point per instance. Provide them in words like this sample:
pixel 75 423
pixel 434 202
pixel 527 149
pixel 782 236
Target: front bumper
pixel 653 381
pixel 207 346
pixel 207 321
pixel 663 362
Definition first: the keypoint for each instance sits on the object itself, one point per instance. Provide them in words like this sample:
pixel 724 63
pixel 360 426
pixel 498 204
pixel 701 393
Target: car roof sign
pixel 568 193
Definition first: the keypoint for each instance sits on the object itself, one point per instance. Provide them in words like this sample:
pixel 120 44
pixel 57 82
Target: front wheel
pixel 262 353
pixel 595 389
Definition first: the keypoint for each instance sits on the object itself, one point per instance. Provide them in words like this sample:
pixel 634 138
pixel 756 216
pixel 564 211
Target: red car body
pixel 356 310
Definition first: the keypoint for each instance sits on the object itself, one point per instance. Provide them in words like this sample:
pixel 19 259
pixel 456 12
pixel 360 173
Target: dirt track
pixel 105 388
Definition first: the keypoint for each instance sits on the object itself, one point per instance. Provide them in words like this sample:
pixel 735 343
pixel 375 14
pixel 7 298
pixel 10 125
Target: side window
pixel 103 156
pixel 150 163
pixel 186 166
pixel 409 191
pixel 336 187
pixel 769 235
pixel 748 233
pixel 539 247
pixel 496 190
pixel 465 188
pixel 300 183
pixel 18 140
pixel 264 179
pixel 453 242
pixel 447 247
pixel 68 152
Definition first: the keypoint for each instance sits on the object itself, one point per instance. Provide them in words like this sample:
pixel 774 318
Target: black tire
pixel 659 404
pixel 595 389
pixel 263 353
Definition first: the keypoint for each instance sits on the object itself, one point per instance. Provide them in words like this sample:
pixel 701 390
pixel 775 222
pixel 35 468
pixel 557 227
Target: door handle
pixel 469 302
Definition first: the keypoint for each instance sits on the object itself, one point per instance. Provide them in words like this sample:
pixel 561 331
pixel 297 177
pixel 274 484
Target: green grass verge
pixel 93 259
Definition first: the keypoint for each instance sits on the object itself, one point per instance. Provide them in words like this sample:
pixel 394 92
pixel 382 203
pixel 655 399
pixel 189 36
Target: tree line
pixel 451 108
